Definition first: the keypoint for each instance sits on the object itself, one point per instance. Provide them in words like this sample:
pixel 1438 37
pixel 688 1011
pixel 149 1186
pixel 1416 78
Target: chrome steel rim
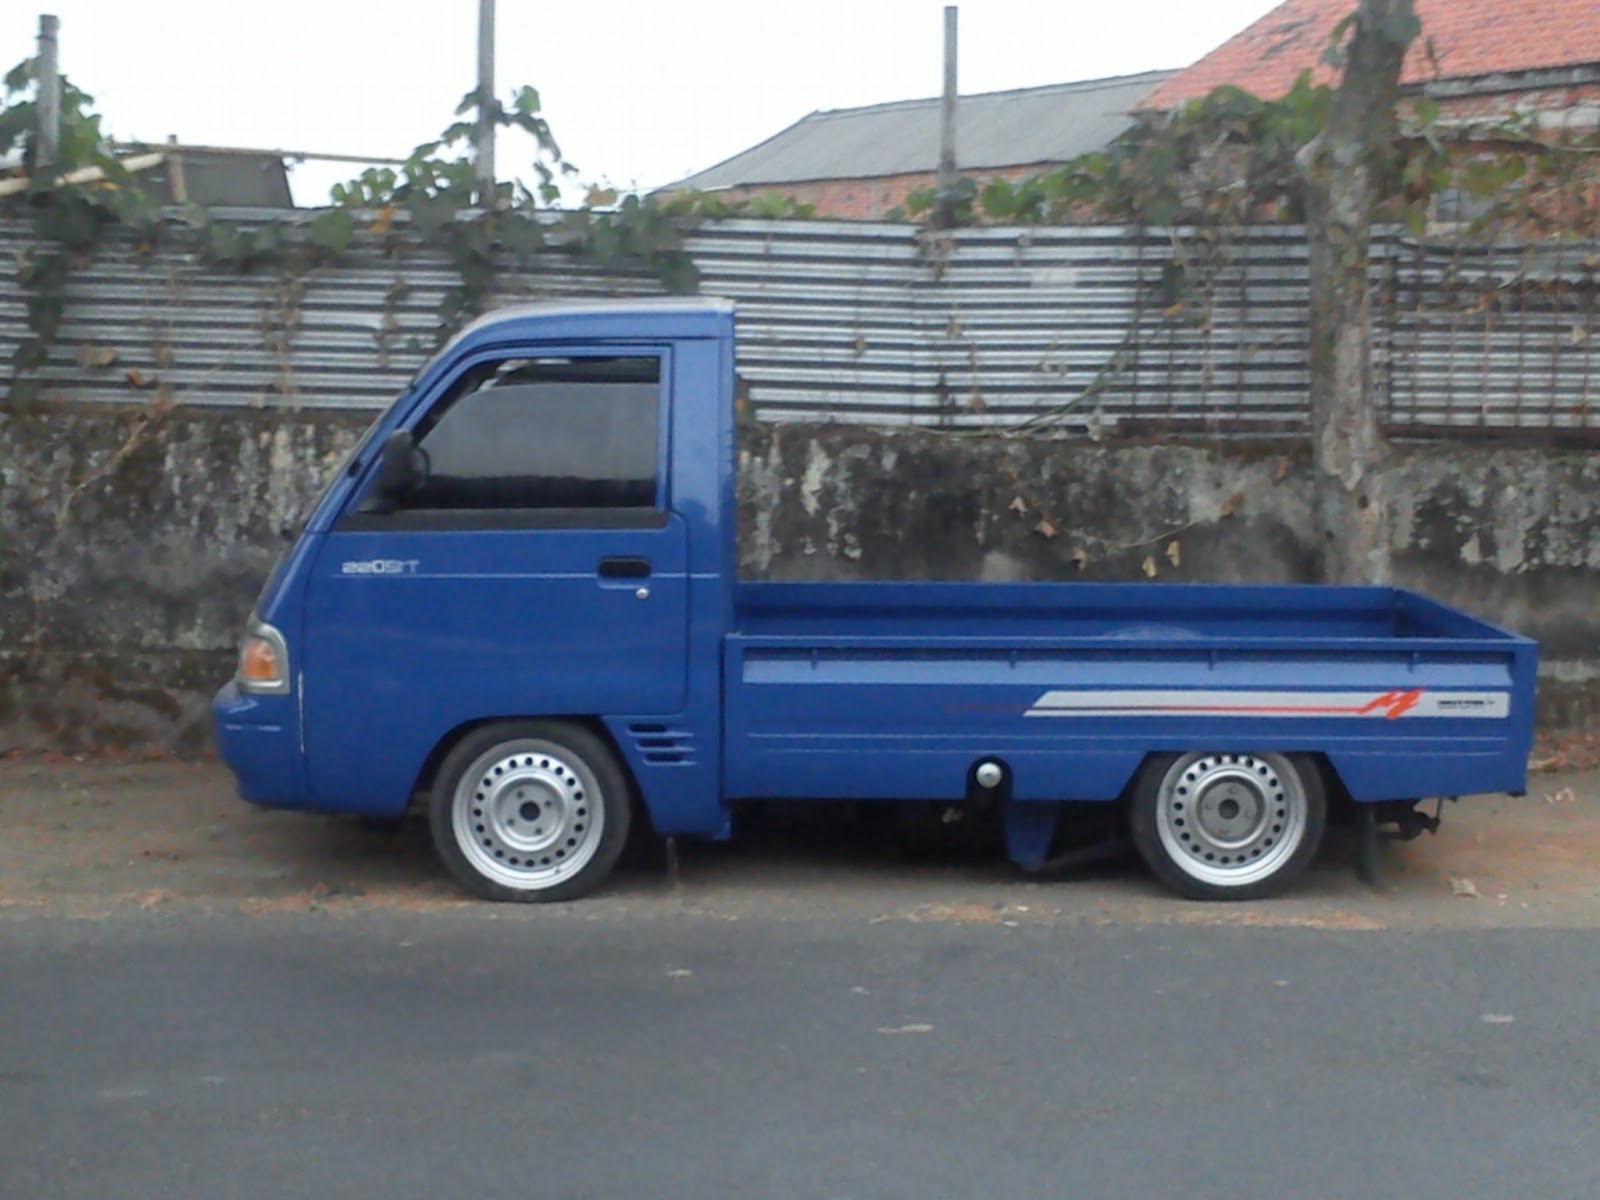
pixel 528 814
pixel 1231 819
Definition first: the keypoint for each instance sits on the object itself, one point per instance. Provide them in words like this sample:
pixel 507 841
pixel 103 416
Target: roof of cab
pixel 631 317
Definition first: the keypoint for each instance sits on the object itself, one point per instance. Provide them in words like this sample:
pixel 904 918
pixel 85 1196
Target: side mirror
pixel 398 471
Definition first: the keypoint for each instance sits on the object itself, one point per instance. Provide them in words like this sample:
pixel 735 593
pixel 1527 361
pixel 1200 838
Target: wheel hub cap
pixel 527 814
pixel 1231 819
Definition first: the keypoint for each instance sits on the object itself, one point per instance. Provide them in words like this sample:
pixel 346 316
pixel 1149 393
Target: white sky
pixel 637 93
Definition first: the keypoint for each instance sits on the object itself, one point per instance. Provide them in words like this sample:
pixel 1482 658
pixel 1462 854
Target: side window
pixel 530 433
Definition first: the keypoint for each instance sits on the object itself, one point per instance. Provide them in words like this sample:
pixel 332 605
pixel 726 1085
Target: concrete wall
pixel 132 545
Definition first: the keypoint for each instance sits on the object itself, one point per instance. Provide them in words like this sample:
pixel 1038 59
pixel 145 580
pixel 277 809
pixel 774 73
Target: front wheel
pixel 530 811
pixel 1228 826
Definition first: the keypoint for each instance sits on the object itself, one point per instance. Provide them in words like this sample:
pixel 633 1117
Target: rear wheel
pixel 1228 826
pixel 530 811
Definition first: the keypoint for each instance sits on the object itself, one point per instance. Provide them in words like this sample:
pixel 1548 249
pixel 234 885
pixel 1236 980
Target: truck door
pixel 529 565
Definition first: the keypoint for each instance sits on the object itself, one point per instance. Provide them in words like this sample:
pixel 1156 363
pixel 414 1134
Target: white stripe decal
pixel 1415 702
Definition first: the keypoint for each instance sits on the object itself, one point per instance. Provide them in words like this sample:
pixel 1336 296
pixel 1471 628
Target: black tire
pixel 530 811
pixel 1215 826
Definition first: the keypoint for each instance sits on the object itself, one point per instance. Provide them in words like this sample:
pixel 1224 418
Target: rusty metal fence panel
pixel 1078 329
pixel 1496 336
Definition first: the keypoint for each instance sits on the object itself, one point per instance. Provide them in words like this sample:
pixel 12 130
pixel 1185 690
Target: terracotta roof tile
pixel 1470 37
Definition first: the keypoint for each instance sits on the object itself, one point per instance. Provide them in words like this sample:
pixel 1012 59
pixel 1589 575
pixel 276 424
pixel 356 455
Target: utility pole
pixel 48 149
pixel 484 157
pixel 947 120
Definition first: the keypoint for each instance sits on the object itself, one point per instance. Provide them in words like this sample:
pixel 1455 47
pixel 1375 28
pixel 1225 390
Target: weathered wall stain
pixel 130 556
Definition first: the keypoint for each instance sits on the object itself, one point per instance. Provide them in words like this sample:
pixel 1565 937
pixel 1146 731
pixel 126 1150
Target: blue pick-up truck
pixel 519 602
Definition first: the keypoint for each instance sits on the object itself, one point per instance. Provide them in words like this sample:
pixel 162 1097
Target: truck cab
pixel 518 601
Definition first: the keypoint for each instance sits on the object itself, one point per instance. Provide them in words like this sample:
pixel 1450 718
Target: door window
pixel 542 433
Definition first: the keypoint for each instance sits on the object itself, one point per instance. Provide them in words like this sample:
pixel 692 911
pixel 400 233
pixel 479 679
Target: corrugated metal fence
pixel 1082 328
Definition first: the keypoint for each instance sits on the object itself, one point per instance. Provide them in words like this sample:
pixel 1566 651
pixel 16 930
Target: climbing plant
pixel 1230 158
pixel 431 201
pixel 67 219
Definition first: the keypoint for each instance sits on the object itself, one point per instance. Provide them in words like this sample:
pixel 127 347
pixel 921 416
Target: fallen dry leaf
pixel 1462 886
pixel 1045 527
pixel 1174 555
pixel 1149 567
pixel 1281 471
pixel 96 356
pixel 1018 505
pixel 1080 558
pixel 1564 796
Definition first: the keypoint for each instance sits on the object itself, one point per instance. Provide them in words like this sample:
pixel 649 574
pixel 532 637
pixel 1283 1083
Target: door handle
pixel 623 567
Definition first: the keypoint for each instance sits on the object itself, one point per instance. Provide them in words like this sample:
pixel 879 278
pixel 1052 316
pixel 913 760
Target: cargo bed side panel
pixel 887 718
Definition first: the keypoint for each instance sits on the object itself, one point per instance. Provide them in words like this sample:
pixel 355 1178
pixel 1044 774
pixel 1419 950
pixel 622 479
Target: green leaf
pixel 333 230
pixel 998 199
pixel 432 215
pixel 678 274
pixel 1333 53
pixel 1400 26
pixel 1163 208
pixel 22 75
pixel 268 240
pixel 521 235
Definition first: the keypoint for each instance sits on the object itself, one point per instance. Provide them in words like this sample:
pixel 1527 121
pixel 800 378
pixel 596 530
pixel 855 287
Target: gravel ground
pixel 90 838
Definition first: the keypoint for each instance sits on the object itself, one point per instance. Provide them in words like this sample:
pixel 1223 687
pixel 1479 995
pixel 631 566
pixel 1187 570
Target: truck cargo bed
pixel 1074 684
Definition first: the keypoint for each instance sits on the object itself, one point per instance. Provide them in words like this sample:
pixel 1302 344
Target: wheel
pixel 1228 826
pixel 530 811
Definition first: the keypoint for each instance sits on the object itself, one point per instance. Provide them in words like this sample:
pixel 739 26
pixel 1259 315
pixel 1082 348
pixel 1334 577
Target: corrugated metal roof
pixel 994 129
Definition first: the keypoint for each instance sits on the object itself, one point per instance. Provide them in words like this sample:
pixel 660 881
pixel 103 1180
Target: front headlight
pixel 263 660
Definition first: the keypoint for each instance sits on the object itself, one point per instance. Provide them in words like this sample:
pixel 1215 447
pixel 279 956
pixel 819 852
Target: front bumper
pixel 257 737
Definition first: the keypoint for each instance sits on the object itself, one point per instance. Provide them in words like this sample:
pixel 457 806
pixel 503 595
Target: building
pixel 1478 58
pixel 173 174
pixel 863 162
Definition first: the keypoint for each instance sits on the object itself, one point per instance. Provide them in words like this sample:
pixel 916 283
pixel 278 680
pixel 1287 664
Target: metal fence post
pixel 48 147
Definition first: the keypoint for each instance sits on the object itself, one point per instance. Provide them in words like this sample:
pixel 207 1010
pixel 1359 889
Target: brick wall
pixel 1580 101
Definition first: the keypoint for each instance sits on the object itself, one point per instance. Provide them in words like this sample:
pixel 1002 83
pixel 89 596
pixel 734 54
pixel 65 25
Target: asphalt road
pixel 560 1053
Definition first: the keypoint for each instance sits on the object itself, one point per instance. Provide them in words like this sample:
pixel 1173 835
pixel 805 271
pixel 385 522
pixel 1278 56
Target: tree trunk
pixel 1344 165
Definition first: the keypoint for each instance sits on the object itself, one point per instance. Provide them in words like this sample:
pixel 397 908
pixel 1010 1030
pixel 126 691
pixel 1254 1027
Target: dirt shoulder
pixel 86 839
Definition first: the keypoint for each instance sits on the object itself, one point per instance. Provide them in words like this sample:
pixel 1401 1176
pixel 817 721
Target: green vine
pixel 1229 159
pixel 432 201
pixel 67 219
